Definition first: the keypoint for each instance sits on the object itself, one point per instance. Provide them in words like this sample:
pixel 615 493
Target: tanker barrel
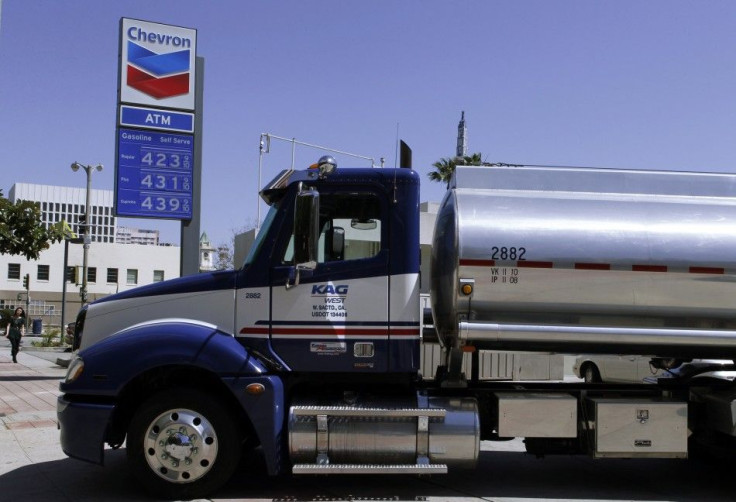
pixel 580 261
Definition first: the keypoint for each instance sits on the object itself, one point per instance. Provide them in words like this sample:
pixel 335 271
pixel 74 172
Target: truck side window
pixel 350 228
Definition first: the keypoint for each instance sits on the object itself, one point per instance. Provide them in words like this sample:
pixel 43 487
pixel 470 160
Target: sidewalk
pixel 28 392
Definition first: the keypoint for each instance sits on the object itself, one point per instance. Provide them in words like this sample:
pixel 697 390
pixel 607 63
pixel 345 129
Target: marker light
pixel 467 289
pixel 326 164
pixel 255 389
pixel 76 367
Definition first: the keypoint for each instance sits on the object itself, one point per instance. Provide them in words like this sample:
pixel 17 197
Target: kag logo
pixel 158 75
pixel 329 289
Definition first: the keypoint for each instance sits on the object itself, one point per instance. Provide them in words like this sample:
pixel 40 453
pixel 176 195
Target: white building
pixel 111 268
pixel 128 235
pixel 119 259
pixel 206 254
pixel 68 203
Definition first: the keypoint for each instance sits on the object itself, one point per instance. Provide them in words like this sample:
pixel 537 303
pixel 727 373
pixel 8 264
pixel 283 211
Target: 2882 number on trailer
pixel 508 253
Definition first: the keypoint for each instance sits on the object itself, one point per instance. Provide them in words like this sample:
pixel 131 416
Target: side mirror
pixel 337 244
pixel 306 233
pixel 306 227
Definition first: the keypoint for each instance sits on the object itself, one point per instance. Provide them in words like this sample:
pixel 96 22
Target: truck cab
pixel 327 297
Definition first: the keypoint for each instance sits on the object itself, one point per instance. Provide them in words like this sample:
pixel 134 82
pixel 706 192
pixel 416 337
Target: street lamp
pixel 88 170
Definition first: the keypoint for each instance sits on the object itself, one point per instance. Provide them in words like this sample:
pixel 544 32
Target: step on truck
pixel 310 350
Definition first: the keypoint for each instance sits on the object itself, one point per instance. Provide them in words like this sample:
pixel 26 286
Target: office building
pixel 68 203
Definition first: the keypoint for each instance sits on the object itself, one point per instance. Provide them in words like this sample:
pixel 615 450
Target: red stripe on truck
pixel 588 266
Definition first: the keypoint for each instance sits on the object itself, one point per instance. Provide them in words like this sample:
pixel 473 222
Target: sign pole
pixel 189 260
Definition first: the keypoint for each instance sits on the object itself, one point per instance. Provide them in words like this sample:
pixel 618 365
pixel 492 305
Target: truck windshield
pixel 261 235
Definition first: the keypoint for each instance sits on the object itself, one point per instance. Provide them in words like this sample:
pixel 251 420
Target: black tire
pixel 591 373
pixel 183 443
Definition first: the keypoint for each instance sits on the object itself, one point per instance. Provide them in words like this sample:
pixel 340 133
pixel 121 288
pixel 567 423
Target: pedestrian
pixel 15 330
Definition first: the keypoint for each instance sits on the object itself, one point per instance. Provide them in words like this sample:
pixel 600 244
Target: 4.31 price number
pixel 161 181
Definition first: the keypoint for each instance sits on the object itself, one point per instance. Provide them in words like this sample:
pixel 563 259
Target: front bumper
pixel 83 428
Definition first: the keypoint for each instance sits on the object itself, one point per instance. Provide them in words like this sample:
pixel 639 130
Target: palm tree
pixel 445 167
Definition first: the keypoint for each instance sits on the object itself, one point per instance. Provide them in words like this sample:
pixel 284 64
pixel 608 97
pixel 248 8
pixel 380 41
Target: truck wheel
pixel 183 444
pixel 591 374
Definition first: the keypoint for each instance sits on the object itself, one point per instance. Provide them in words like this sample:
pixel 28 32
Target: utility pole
pixel 85 231
pixel 27 287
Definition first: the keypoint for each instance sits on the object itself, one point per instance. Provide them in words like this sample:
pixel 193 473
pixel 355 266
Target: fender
pixel 112 363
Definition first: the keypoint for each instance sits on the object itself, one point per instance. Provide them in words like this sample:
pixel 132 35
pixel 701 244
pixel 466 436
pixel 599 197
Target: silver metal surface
pixel 440 431
pixel 346 411
pixel 537 415
pixel 181 446
pixel 369 469
pixel 592 248
pixel 595 339
pixel 630 428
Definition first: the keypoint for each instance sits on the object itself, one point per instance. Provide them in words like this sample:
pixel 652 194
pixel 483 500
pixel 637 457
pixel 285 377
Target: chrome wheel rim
pixel 180 446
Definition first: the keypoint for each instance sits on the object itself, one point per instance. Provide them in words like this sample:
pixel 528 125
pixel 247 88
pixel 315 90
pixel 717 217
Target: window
pixel 14 271
pixel 42 273
pixel 112 275
pixel 158 275
pixel 350 228
pixel 132 276
pixel 91 274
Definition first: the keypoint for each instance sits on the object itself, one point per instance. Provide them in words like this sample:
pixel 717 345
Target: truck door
pixel 336 318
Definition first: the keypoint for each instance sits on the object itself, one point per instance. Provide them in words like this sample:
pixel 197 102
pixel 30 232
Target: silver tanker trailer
pixel 570 260
pixel 582 260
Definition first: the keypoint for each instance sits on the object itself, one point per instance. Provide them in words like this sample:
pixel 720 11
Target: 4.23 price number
pixel 165 159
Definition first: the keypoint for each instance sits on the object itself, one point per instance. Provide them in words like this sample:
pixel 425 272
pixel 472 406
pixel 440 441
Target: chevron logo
pixel 158 75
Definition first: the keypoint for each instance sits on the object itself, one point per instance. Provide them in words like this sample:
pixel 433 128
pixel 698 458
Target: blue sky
pixel 627 84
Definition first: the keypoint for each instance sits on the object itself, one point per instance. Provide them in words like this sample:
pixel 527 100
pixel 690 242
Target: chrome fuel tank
pixel 577 260
pixel 423 430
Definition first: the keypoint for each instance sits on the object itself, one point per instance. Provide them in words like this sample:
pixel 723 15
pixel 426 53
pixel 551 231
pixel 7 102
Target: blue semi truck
pixel 311 350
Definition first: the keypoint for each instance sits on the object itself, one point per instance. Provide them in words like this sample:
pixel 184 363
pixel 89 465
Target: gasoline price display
pixel 154 174
pixel 165 159
pixel 165 203
pixel 165 181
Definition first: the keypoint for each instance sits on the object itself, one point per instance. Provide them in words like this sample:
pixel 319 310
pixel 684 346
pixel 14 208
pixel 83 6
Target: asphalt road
pixel 500 476
pixel 33 468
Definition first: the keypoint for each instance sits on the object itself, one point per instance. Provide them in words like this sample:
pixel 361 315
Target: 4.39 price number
pixel 165 204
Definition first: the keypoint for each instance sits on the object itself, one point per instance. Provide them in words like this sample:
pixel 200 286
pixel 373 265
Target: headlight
pixel 76 367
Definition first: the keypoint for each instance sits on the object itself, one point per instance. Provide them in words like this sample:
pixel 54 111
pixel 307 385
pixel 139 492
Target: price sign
pixel 154 175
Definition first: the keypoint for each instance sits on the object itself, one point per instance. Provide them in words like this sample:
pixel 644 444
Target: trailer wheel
pixel 591 373
pixel 183 443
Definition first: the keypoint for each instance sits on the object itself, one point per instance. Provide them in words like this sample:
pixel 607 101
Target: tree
pixel 224 258
pixel 445 167
pixel 21 229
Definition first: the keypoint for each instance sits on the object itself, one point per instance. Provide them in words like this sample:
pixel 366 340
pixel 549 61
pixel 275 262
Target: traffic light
pixel 82 223
pixel 26 280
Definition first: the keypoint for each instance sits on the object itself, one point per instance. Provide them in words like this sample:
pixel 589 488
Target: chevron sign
pixel 157 64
